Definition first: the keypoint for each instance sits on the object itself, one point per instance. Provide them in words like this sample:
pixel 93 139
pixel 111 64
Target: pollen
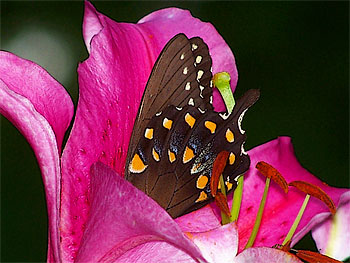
pixel 190 120
pixel 229 136
pixel 188 155
pixel 167 123
pixel 137 165
pixel 210 125
pixel 149 133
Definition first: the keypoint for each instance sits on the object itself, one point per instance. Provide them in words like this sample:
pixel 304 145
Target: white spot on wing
pixel 194 47
pixel 198 59
pixel 211 99
pixel 191 102
pixel 185 71
pixel 201 92
pixel 188 86
pixel 200 110
pixel 224 115
pixel 178 108
pixel 242 149
pixel 200 74
pixel 182 56
pixel 240 121
pixel 158 113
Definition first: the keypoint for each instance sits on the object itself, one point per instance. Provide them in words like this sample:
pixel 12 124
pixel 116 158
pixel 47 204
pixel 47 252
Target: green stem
pixel 258 215
pixel 237 199
pixel 296 221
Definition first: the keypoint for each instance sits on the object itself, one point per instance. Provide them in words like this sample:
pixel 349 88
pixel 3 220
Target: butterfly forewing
pixel 180 76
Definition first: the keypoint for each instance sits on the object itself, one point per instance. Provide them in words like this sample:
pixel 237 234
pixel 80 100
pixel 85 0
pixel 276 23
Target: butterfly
pixel 177 134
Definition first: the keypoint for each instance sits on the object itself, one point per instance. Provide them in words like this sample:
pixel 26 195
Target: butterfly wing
pixel 173 161
pixel 181 75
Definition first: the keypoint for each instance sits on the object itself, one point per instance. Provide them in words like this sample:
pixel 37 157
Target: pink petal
pixel 280 210
pixel 265 254
pixel 218 245
pixel 201 220
pixel 333 236
pixel 162 23
pixel 31 81
pixel 111 82
pixel 122 218
pixel 91 25
pixel 37 130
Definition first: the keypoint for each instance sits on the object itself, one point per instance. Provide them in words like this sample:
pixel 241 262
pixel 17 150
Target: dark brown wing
pixel 181 75
pixel 172 162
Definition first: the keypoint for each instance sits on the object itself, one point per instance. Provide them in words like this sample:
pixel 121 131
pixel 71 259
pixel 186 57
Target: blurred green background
pixel 296 53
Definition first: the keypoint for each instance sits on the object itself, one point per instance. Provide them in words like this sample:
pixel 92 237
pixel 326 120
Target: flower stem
pixel 296 221
pixel 237 199
pixel 258 215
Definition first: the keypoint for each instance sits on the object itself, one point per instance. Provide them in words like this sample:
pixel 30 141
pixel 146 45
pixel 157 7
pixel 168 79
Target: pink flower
pixel 95 214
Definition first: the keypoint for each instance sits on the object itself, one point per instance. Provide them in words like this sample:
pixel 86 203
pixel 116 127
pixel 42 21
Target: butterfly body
pixel 177 135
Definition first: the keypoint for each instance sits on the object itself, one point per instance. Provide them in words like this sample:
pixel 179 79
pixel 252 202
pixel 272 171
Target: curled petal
pixel 111 83
pixel 333 236
pixel 122 218
pixel 38 132
pixel 48 97
pixel 265 254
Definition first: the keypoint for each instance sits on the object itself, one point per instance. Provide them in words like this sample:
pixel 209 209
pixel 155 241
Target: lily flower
pixel 94 214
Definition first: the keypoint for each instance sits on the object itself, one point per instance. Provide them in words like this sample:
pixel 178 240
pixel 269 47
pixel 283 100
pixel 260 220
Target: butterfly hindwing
pixel 180 153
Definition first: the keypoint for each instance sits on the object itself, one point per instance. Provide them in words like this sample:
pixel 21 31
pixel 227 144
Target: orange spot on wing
pixel 189 119
pixel 202 196
pixel 232 158
pixel 229 135
pixel 167 123
pixel 210 125
pixel 188 155
pixel 136 165
pixel 202 181
pixel 149 133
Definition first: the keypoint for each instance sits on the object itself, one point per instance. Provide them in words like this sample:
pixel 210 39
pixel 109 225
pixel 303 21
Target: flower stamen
pixel 270 173
pixel 310 190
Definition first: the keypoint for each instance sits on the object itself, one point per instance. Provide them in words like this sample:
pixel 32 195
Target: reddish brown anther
pixel 218 168
pixel 314 257
pixel 270 172
pixel 221 202
pixel 315 191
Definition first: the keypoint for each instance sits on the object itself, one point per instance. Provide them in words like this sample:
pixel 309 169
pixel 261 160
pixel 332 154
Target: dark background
pixel 296 53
